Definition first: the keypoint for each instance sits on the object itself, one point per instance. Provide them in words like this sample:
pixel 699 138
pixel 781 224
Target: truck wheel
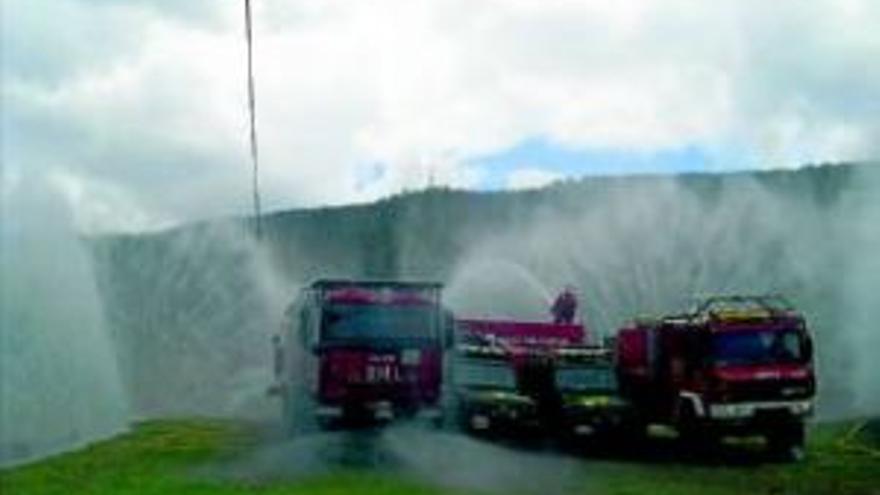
pixel 630 435
pixel 297 412
pixel 288 417
pixel 450 419
pixel 786 442
pixel 443 422
pixel 693 435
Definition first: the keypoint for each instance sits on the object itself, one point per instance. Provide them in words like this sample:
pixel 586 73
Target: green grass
pixel 838 462
pixel 160 458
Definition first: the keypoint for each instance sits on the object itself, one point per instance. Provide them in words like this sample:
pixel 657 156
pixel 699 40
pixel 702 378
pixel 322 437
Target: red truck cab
pixel 737 365
pixel 362 350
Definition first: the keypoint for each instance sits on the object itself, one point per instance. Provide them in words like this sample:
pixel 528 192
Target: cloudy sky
pixel 135 110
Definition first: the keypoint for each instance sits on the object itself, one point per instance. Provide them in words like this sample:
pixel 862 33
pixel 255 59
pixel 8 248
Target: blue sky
pixel 542 154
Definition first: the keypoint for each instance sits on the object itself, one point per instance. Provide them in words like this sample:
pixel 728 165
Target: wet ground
pixel 533 464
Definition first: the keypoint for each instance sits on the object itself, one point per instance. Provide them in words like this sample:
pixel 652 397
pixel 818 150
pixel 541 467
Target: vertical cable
pixel 253 118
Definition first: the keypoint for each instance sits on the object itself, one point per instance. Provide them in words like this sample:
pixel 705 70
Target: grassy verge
pixel 839 461
pixel 158 458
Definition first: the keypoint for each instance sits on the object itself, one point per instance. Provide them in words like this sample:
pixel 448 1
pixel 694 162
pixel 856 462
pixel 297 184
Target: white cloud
pixel 96 205
pixel 531 178
pixel 154 103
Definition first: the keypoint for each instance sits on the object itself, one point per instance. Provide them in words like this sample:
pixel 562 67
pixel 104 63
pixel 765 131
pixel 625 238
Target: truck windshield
pixel 757 347
pixel 586 378
pixel 366 322
pixel 474 373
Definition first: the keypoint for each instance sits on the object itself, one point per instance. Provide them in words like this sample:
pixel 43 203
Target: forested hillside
pixel 192 308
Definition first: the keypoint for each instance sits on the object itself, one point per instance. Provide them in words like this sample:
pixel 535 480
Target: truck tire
pixel 786 441
pixel 694 435
pixel 297 412
pixel 630 435
pixel 449 420
pixel 287 417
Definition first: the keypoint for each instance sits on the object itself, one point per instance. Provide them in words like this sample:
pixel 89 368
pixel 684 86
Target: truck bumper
pixel 737 412
pixel 593 421
pixel 485 418
pixel 430 414
pixel 329 412
pixel 378 411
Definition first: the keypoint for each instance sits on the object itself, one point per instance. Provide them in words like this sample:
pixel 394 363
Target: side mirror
pixel 273 391
pixel 808 349
pixel 303 329
pixel 448 330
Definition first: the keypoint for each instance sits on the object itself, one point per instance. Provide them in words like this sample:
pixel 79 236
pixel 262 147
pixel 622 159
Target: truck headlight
pixel 479 422
pixel 583 430
pixel 801 408
pixel 790 391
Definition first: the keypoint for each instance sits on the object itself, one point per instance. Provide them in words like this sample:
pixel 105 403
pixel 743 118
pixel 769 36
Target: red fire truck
pixel 737 365
pixel 356 350
pixel 528 377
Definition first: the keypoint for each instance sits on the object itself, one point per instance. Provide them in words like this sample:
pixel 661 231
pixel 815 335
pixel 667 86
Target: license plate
pixel 382 374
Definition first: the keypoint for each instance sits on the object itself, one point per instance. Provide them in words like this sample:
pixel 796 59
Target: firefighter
pixel 564 307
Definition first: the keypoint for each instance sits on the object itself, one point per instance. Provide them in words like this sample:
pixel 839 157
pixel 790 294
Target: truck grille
pixel 768 390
